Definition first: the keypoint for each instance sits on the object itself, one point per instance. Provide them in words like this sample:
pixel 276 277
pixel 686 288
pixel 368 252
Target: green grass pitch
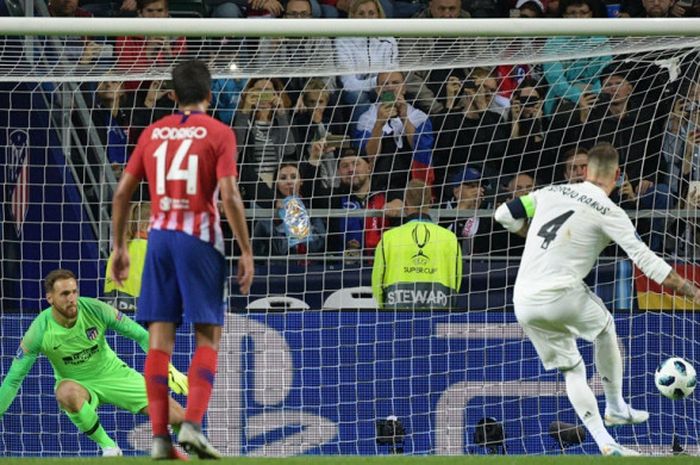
pixel 381 460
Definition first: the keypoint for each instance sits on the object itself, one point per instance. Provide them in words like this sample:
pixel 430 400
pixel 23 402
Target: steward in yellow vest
pixel 417 266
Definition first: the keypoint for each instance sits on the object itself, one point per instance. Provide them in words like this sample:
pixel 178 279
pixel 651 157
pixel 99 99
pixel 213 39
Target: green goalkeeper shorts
pixel 122 387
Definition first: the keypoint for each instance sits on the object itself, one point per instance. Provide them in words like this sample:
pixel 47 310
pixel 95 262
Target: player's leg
pixel 80 406
pixel 162 448
pixel 159 306
pixel 594 323
pixel 552 329
pixel 584 402
pixel 202 284
pixel 201 382
pixel 202 371
pixel 608 362
pixel 161 336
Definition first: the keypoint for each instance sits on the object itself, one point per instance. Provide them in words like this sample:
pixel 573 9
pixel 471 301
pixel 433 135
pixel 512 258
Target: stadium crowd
pixel 478 136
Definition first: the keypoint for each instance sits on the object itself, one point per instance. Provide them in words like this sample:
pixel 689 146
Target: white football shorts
pixel 554 327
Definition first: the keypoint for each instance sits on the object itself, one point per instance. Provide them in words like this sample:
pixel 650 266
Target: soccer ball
pixel 675 378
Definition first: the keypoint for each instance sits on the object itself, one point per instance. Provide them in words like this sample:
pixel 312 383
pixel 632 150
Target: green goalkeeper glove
pixel 177 381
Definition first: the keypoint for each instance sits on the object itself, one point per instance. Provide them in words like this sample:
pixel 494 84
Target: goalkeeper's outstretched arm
pixel 21 365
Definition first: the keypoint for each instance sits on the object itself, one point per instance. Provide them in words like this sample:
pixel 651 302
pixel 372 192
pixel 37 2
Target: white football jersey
pixel 571 225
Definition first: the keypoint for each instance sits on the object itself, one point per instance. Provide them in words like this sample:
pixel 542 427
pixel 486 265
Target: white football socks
pixel 583 400
pixel 608 362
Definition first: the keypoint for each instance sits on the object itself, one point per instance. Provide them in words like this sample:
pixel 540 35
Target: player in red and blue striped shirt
pixel 188 159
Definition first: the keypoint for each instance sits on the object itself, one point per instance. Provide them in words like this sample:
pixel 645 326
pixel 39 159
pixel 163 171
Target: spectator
pixel 291 231
pixel 619 119
pixel 520 184
pixel 427 86
pixel 138 53
pixel 356 235
pixel 321 136
pixel 398 141
pixel 488 82
pixel 297 53
pixel 501 240
pixel 575 165
pixel 79 50
pixel 474 232
pixel 417 266
pixel 67 9
pixel 112 118
pixel 681 144
pixel 570 80
pixel 264 139
pixel 153 102
pixel 353 53
pixel 225 97
pixel 658 8
pixel 530 8
pixel 531 146
pixel 444 9
pixel 487 8
pixel 469 132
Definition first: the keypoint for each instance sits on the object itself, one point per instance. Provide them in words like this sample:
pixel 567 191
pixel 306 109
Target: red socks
pixel 201 381
pixel 156 371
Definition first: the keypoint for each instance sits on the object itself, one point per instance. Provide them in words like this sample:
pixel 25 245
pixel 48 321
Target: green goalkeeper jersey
pixel 80 353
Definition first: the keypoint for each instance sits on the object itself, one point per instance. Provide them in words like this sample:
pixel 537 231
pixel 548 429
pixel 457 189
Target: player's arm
pixel 514 215
pixel 619 228
pixel 235 215
pixel 119 322
pixel 120 214
pixel 226 173
pixel 681 285
pixel 23 362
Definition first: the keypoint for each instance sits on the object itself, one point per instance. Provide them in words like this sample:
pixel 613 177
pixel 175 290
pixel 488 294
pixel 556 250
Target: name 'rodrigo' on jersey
pixel 570 227
pixel 183 156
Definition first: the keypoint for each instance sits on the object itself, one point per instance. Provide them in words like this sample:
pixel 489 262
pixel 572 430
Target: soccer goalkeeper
pixel 71 333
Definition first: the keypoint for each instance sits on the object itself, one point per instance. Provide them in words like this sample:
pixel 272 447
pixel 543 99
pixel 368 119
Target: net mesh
pixel 308 364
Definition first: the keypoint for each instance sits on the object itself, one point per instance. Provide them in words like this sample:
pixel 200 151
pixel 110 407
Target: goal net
pixel 330 130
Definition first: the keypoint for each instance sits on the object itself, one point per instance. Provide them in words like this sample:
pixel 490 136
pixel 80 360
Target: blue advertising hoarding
pixel 316 382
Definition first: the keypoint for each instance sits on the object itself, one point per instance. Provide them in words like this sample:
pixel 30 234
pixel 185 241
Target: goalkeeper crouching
pixel 71 334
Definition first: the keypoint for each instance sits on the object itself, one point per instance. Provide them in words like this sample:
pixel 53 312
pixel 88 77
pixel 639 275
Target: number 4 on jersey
pixel 549 230
pixel 175 171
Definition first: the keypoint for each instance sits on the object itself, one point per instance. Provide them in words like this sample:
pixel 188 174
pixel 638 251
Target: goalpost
pixel 308 364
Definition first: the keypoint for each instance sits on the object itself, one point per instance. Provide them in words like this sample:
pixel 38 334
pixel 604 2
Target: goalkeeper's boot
pixel 629 416
pixel 114 451
pixel 193 441
pixel 162 449
pixel 616 450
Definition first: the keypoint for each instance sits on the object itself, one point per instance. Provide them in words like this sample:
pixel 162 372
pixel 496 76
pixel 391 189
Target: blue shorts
pixel 181 273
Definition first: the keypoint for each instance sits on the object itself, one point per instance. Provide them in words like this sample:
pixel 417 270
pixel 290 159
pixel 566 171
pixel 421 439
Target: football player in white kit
pixel 567 226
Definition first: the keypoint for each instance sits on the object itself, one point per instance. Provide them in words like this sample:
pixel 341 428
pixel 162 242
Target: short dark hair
pixel 572 151
pixel 191 81
pixel 594 5
pixel 57 275
pixel 141 4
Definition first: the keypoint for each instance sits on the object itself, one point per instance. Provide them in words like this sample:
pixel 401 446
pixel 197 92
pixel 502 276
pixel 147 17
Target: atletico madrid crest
pixel 91 333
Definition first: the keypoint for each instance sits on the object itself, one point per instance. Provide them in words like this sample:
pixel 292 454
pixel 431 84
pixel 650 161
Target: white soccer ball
pixel 675 378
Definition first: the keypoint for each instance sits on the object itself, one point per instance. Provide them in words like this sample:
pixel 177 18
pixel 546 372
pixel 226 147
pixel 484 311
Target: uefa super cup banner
pixel 318 382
